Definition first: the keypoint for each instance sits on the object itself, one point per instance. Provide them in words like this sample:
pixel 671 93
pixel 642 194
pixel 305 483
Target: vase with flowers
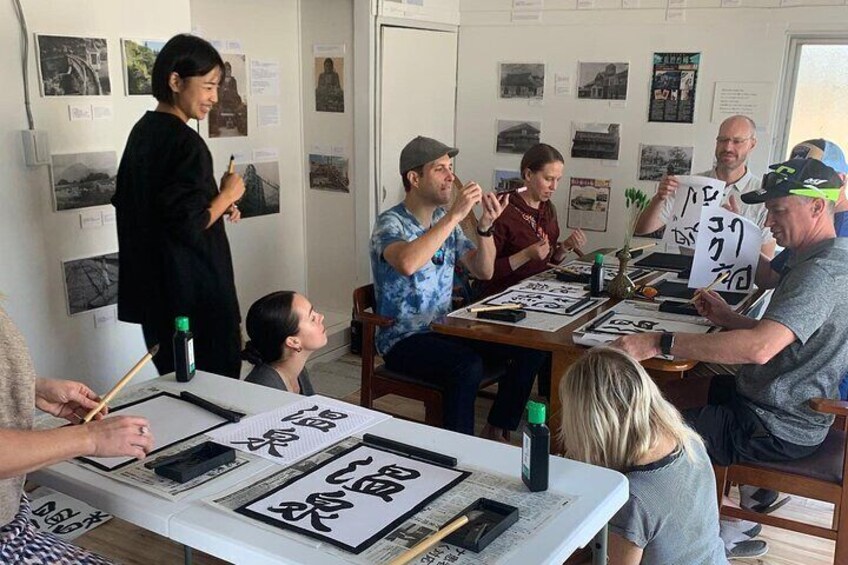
pixel 621 286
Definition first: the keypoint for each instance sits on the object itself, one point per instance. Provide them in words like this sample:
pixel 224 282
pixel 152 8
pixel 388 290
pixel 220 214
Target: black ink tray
pixel 503 315
pixel 487 519
pixel 565 276
pixel 196 461
pixel 672 307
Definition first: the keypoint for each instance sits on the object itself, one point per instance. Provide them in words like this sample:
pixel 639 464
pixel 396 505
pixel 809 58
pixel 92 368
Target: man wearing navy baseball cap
pixel 415 246
pixel 797 351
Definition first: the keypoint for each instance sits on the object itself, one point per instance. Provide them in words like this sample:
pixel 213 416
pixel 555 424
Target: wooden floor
pixel 134 546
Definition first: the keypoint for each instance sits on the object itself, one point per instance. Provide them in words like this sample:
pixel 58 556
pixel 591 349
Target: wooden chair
pixel 821 476
pixel 377 380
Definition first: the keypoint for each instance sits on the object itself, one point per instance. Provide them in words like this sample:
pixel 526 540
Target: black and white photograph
pixel 506 180
pixel 588 204
pixel 596 141
pixel 228 118
pixel 82 180
pixel 261 189
pixel 603 81
pixel 517 137
pixel 73 66
pixel 522 80
pixel 329 172
pixel 139 56
pixel 91 283
pixel 658 160
pixel 329 84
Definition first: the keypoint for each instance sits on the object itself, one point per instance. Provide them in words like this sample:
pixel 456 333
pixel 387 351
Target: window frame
pixel 789 79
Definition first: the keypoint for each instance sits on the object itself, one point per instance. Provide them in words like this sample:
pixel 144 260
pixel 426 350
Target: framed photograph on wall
pixel 139 56
pixel 517 137
pixel 603 81
pixel 329 172
pixel 83 180
pixel 261 188
pixel 90 282
pixel 522 80
pixel 596 141
pixel 658 160
pixel 228 118
pixel 73 66
pixel 506 180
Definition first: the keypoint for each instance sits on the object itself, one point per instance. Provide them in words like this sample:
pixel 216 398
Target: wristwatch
pixel 487 233
pixel 666 343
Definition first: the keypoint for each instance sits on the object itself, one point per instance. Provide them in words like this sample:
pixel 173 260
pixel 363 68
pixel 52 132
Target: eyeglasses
pixel 732 140
pixel 439 257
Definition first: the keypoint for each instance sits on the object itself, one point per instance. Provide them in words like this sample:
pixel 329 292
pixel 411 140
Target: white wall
pixel 268 251
pixel 330 216
pixel 741 44
pixel 33 238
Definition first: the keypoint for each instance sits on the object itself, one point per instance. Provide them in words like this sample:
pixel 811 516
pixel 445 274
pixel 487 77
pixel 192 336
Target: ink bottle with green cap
pixel 596 279
pixel 183 350
pixel 535 448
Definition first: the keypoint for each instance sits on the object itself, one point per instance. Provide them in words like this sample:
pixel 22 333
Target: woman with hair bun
pixel 284 330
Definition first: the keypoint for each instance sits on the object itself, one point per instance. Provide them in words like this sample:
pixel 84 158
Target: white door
pixel 417 97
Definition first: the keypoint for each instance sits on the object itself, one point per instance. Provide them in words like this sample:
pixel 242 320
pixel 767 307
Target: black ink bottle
pixel 596 280
pixel 183 350
pixel 535 448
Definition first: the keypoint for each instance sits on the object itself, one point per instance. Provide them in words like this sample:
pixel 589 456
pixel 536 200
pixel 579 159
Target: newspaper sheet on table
pixel 610 270
pixel 135 474
pixel 727 243
pixel 172 420
pixel 535 509
pixel 356 498
pixel 631 317
pixel 292 432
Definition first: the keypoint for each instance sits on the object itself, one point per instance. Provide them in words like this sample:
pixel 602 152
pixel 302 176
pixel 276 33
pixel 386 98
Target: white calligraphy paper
pixel 65 517
pixel 692 194
pixel 171 420
pixel 292 432
pixel 726 243
pixel 537 301
pixel 355 499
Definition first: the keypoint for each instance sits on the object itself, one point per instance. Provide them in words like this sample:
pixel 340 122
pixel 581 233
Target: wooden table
pixel 561 346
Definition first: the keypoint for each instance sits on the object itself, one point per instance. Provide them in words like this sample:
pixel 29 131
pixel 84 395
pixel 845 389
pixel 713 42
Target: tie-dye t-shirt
pixel 415 301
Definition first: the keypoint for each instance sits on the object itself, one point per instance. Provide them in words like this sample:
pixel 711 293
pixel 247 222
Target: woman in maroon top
pixel 527 232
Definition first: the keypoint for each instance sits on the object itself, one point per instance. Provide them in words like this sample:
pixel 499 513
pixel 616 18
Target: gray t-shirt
pixel 266 375
pixel 672 512
pixel 812 301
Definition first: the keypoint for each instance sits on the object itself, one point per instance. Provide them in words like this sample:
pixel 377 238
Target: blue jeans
pixel 843 388
pixel 457 365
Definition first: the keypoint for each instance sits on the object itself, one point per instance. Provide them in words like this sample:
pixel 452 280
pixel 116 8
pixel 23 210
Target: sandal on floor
pixel 747 549
pixel 763 501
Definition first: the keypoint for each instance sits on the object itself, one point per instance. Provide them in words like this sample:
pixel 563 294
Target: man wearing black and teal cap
pixel 798 350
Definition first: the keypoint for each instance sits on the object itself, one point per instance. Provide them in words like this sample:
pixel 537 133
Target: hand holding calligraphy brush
pixel 120 384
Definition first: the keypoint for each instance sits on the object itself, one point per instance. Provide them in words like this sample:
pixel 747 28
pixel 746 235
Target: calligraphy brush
pixel 121 383
pixel 719 279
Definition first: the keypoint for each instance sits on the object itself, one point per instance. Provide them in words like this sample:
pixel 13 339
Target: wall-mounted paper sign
pixel 726 243
pixel 752 99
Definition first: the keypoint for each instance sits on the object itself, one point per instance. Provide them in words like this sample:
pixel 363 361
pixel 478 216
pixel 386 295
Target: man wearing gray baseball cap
pixel 415 246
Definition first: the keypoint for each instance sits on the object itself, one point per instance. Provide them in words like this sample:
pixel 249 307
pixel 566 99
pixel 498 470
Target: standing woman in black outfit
pixel 174 255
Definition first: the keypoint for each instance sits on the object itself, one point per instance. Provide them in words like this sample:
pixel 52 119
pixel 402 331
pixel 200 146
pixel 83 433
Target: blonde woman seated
pixel 284 330
pixel 613 415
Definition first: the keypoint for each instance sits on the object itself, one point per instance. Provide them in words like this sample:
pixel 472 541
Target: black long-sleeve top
pixel 170 263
